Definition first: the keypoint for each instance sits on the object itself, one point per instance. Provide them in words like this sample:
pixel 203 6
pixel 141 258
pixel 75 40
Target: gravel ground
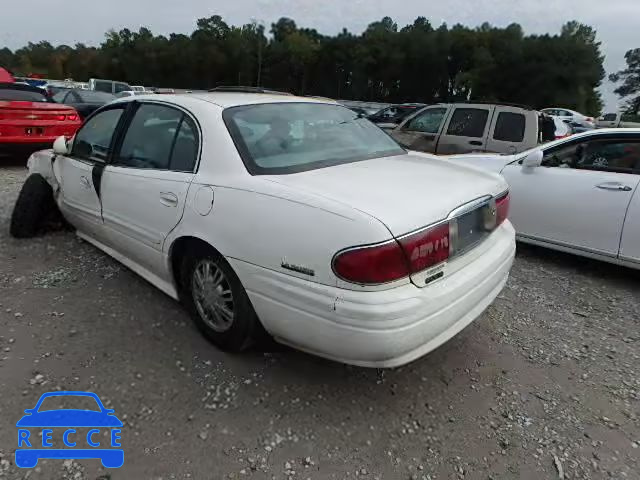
pixel 545 385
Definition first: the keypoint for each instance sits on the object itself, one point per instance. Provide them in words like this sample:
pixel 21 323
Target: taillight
pixel 411 253
pixel 590 119
pixel 502 208
pixel 372 265
pixel 427 248
pixel 72 118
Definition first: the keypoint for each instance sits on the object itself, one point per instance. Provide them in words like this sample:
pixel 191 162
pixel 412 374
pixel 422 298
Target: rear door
pixel 145 186
pixel 630 243
pixel 512 130
pixel 466 129
pixel 421 131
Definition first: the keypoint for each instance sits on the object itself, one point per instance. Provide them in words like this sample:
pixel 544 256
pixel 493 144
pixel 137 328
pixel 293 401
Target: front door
pixel 420 132
pixel 79 184
pixel 578 197
pixel 145 187
pixel 466 131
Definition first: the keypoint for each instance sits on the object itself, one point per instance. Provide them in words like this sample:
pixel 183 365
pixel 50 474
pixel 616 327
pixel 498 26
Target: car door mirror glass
pixel 60 146
pixel 534 159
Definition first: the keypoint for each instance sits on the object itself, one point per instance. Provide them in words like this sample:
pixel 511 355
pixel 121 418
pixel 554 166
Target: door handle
pixel 168 199
pixel 614 186
pixel 84 181
pixel 475 142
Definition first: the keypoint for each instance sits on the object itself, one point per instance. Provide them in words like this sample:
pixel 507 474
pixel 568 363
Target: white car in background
pixel 571 116
pixel 283 213
pixel 579 194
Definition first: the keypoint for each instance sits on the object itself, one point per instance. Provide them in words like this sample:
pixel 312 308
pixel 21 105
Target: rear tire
pixel 33 206
pixel 217 301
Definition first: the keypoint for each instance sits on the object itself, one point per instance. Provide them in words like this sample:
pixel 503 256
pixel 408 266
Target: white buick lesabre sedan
pixel 579 194
pixel 285 214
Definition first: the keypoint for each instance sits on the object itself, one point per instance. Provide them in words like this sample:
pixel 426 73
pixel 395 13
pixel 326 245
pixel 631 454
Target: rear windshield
pixel 281 138
pixel 394 114
pixel 22 95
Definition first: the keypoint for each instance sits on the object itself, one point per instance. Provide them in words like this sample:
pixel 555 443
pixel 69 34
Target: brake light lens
pixel 410 254
pixel 590 119
pixel 60 118
pixel 502 208
pixel 372 265
pixel 72 117
pixel 427 248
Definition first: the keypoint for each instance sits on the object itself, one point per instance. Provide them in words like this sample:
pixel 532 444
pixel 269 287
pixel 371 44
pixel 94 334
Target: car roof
pixel 230 99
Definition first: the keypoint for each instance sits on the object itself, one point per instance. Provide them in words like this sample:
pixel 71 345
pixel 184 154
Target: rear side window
pixel 468 122
pixel 160 138
pixel 510 127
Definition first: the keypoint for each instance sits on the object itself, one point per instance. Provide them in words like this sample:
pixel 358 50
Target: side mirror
pixel 534 159
pixel 60 146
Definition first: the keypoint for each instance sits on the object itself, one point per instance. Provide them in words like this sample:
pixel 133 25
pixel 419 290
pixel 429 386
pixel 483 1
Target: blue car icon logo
pixel 82 433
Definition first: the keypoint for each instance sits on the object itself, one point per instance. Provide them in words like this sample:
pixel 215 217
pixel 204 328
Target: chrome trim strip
pixel 521 236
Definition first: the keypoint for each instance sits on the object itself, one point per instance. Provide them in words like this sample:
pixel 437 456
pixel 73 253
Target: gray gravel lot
pixel 545 385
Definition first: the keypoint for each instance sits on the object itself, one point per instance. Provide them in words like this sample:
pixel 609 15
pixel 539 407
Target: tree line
pixel 415 63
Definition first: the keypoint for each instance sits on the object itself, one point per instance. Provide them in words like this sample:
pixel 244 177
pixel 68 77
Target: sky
pixel 616 21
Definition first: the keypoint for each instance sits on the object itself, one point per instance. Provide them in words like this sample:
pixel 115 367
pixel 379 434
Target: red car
pixel 29 121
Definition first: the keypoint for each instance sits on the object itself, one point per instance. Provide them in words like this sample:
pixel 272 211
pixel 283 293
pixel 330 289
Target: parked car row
pixel 579 194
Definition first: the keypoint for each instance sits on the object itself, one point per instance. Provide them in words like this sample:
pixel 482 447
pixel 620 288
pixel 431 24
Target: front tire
pixel 217 301
pixel 33 206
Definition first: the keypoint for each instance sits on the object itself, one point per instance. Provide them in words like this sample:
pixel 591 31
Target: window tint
pixel 22 95
pixel 149 139
pixel 612 156
pixel 93 140
pixel 510 127
pixel 393 114
pixel 102 86
pixel 294 137
pixel 629 117
pixel 620 156
pixel 468 122
pixel 610 117
pixel 121 87
pixel 428 121
pixel 185 148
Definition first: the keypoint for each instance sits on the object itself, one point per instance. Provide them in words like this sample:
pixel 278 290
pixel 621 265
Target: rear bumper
pixel 379 329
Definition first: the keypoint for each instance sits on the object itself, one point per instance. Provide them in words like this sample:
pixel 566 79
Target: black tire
pixel 34 205
pixel 245 328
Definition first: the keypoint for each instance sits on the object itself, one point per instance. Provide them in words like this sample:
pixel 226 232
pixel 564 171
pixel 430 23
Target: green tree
pixel 630 81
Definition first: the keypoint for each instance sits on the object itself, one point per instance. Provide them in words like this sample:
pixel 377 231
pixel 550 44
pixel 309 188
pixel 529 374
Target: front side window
pixel 610 117
pixel 102 86
pixel 468 122
pixel 159 137
pixel 510 127
pixel 621 156
pixel 281 138
pixel 93 140
pixel 428 121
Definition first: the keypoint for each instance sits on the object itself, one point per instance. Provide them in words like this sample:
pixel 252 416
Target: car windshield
pixel 280 138
pixel 10 94
pixel 89 96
